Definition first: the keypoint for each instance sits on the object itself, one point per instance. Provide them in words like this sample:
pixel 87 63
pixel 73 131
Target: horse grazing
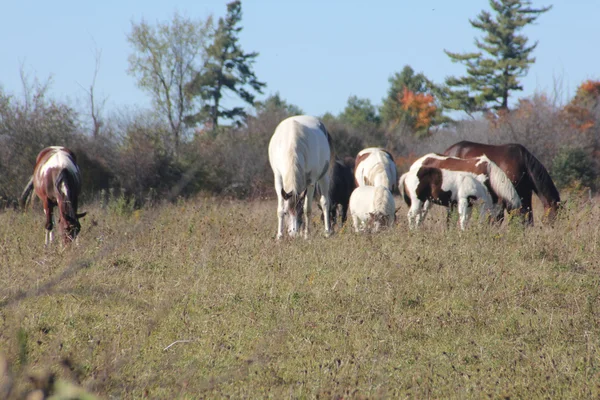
pixel 375 166
pixel 340 188
pixel 527 174
pixel 301 156
pixel 372 207
pixel 57 182
pixel 447 181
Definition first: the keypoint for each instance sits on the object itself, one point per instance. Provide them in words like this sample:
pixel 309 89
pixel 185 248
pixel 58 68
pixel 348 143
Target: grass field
pixel 197 300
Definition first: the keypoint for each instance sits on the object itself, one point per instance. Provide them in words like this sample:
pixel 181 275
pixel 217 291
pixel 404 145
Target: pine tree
pixel 495 71
pixel 227 68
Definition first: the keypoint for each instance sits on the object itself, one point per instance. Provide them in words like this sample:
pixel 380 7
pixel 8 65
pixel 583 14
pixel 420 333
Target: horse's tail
pixel 543 185
pixel 403 193
pixel 379 175
pixel 293 178
pixel 332 157
pixel 25 198
pixel 383 203
pixel 293 174
pixel 502 185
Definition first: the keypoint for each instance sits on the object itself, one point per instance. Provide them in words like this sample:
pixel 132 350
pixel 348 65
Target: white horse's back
pixel 299 151
pixel 375 166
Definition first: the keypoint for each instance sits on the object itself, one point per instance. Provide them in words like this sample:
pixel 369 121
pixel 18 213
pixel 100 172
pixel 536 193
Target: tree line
pixel 187 66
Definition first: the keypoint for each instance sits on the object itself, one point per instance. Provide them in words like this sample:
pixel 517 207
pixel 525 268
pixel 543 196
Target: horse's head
pixel 551 212
pixel 70 226
pixel 294 211
pixel 378 220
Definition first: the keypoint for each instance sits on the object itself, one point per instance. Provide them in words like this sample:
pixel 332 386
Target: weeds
pixel 197 299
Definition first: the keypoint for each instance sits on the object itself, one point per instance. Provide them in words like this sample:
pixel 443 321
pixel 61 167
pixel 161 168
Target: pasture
pixel 198 300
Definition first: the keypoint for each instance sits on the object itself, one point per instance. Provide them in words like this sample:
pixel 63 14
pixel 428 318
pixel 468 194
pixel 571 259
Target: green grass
pixel 492 312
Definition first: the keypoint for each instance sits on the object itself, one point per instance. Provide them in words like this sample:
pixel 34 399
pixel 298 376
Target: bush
pixel 574 167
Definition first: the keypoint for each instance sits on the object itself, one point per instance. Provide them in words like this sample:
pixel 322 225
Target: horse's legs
pixel 48 209
pixel 310 192
pixel 488 211
pixel 355 223
pixel 280 206
pixel 344 213
pixel 414 212
pixel 424 211
pixel 339 215
pixel 324 189
pixel 464 212
pixel 527 209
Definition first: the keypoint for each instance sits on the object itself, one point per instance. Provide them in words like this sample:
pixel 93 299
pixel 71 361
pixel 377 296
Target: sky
pixel 315 54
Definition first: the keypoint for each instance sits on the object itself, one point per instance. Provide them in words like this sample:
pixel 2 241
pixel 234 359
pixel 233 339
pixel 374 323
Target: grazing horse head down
pixel 340 188
pixel 525 171
pixel 375 166
pixel 301 156
pixel 57 182
pixel 372 207
pixel 449 180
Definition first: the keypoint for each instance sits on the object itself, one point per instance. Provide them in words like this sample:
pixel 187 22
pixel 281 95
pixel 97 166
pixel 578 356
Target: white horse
pixel 372 206
pixel 375 166
pixel 449 180
pixel 300 154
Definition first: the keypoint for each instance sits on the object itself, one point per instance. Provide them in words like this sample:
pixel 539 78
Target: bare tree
pixel 166 57
pixel 95 106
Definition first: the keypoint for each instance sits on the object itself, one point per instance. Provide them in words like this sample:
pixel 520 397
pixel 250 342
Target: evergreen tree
pixel 227 68
pixel 276 103
pixel 505 57
pixel 360 113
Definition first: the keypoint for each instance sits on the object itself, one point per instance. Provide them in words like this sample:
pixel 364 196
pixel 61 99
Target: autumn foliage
pixel 580 111
pixel 420 106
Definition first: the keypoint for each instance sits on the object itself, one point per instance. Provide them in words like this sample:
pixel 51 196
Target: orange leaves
pixel 578 117
pixel 420 106
pixel 589 88
pixel 579 111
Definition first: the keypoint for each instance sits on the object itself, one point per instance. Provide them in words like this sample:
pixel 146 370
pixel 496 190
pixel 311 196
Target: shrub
pixel 573 167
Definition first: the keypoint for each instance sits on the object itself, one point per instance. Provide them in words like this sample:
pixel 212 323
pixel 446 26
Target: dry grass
pixel 495 311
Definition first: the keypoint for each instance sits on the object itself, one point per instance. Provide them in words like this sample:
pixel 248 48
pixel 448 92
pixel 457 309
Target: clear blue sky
pixel 314 53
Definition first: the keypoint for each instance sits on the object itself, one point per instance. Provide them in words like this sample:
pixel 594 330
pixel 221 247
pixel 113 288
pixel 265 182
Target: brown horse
pixel 57 182
pixel 527 174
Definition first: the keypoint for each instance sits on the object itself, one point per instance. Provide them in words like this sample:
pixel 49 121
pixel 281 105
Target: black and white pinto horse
pixel 301 156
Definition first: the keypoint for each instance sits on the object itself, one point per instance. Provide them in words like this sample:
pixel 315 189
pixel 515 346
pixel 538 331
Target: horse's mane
pixel 543 185
pixel 501 183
